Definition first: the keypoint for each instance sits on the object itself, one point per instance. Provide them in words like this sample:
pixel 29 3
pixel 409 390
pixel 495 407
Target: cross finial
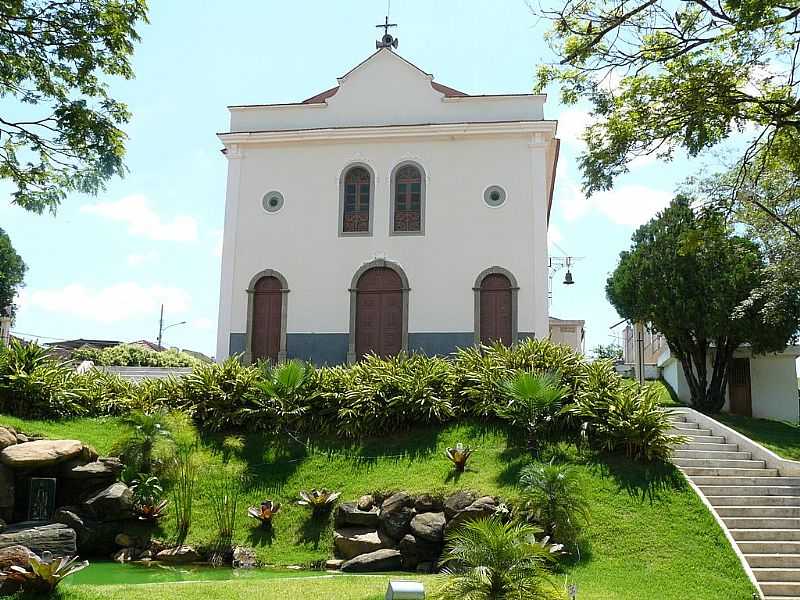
pixel 388 40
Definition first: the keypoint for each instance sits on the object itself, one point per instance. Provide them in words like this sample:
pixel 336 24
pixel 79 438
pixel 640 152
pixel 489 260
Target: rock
pixel 244 558
pixel 482 508
pixel 396 502
pixel 352 541
pixel 180 555
pixel 6 487
pixel 380 560
pixel 105 468
pixel 415 550
pixel 146 555
pixel 456 503
pixel 7 438
pixel 124 555
pixel 398 522
pixel 22 438
pixel 429 526
pixel 426 568
pixel 333 564
pixel 56 538
pixel 124 540
pixel 427 503
pixel 366 502
pixel 13 555
pixel 41 453
pixel 83 528
pixel 111 503
pixel 349 515
pixel 3 525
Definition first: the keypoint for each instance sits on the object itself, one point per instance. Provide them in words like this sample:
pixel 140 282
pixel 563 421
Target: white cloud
pixel 136 260
pixel 115 303
pixel 143 221
pixel 626 205
pixel 571 125
pixel 204 324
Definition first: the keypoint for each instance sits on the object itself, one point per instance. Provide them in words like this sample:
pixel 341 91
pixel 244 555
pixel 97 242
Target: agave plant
pixel 265 512
pixel 45 572
pixel 459 456
pixel 318 501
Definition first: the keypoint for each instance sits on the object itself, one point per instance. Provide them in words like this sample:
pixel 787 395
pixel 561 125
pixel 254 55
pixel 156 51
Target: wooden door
pixel 741 400
pixel 267 307
pixel 496 309
pixel 379 313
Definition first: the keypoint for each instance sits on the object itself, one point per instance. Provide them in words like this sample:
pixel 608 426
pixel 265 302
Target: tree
pixel 667 76
pixel 691 277
pixel 609 351
pixel 12 273
pixel 63 133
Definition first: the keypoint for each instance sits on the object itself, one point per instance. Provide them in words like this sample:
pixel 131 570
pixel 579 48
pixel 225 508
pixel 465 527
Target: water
pixel 111 573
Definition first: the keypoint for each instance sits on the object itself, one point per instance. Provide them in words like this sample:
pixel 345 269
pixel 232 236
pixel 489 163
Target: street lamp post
pixel 162 328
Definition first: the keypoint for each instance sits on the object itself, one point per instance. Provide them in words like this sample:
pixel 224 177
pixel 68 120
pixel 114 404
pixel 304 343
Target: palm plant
pixel 265 512
pixel 45 572
pixel 553 498
pixel 459 456
pixel 282 400
pixel 319 501
pixel 149 432
pixel 487 559
pixel 533 403
pixel 148 503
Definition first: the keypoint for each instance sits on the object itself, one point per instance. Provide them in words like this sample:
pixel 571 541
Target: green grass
pixel 649 535
pixel 781 437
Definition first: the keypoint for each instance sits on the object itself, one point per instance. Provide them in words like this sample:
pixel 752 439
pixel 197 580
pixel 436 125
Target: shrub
pixel 533 403
pixel 184 476
pixel 149 432
pixel 283 399
pixel 134 355
pixel 552 497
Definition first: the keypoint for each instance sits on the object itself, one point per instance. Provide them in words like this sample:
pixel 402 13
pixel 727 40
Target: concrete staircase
pixel 760 509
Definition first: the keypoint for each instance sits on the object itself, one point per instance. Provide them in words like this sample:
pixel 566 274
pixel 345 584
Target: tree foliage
pixel 59 128
pixel 12 273
pixel 664 77
pixel 692 278
pixel 611 351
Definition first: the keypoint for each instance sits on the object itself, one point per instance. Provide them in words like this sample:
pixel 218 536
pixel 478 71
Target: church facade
pixel 388 213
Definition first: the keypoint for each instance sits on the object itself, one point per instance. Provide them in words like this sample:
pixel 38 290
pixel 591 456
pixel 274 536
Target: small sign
pixel 42 498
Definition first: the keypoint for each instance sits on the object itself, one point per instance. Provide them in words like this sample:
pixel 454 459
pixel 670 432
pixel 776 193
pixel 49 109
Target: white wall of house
pixel 568 332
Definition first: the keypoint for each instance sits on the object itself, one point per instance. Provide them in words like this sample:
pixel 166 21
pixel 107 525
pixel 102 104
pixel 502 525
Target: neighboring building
pixel 387 213
pixel 568 332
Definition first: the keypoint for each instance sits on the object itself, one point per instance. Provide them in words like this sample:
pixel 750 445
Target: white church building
pixel 387 213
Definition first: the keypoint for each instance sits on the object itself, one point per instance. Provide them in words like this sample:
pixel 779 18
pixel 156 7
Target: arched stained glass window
pixel 356 201
pixel 408 199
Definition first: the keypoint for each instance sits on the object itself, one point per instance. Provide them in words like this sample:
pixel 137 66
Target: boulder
pixel 429 526
pixel 483 507
pixel 6 487
pixel 7 438
pixel 396 502
pixel 179 555
pixel 349 515
pixel 380 560
pixel 333 564
pixel 22 438
pixel 124 555
pixel 366 502
pixel 41 453
pixel 456 503
pixel 111 503
pixel 427 503
pixel 396 514
pixel 104 468
pixel 415 550
pixel 55 538
pixel 244 558
pixel 13 555
pixel 352 541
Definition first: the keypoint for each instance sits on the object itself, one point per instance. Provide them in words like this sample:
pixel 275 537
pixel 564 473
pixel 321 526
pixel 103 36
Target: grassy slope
pixel 780 437
pixel 649 535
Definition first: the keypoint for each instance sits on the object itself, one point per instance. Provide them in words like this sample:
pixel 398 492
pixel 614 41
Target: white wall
pixel 774 387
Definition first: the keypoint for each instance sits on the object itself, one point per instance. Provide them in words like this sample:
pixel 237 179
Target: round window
pixel 494 196
pixel 272 202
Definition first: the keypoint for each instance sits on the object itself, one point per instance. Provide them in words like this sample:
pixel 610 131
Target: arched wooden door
pixel 496 314
pixel 267 306
pixel 379 313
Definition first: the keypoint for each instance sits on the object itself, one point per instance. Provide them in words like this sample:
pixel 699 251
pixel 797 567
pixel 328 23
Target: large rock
pixel 380 560
pixel 56 538
pixel 13 555
pixel 40 453
pixel 352 541
pixel 396 502
pixel 427 503
pixel 7 438
pixel 396 514
pixel 349 515
pixel 111 503
pixel 180 555
pixel 104 468
pixel 456 503
pixel 483 507
pixel 366 502
pixel 415 550
pixel 6 487
pixel 429 526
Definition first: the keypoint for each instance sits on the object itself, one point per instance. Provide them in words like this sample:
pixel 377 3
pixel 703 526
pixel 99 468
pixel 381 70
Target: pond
pixel 111 573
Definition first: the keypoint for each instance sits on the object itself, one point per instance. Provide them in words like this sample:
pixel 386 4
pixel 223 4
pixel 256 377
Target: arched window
pixel 408 190
pixel 356 200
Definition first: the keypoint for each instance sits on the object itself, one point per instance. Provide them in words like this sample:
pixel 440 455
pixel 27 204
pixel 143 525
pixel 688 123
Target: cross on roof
pixel 388 40
pixel 386 25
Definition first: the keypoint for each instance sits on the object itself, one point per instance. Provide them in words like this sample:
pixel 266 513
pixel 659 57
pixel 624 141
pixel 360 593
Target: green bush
pixel 134 355
pixel 216 394
pixel 533 402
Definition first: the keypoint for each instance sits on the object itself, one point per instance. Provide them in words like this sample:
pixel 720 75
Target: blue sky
pixel 102 266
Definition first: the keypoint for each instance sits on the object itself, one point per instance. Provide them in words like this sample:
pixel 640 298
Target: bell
pixel 568 278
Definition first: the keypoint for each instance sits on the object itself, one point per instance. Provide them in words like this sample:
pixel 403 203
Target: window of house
pixel 356 201
pixel 408 199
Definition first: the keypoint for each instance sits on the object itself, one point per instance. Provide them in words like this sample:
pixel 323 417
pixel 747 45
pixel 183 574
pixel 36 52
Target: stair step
pixel 781 588
pixel 712 447
pixel 769 548
pixel 773 561
pixel 700 439
pixel 713 455
pixel 718 463
pixel 690 432
pixel 685 425
pixel 737 500
pixel 749 490
pixel 779 512
pixel 766 535
pixel 777 574
pixel 762 522
pixel 726 476
pixel 677 419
